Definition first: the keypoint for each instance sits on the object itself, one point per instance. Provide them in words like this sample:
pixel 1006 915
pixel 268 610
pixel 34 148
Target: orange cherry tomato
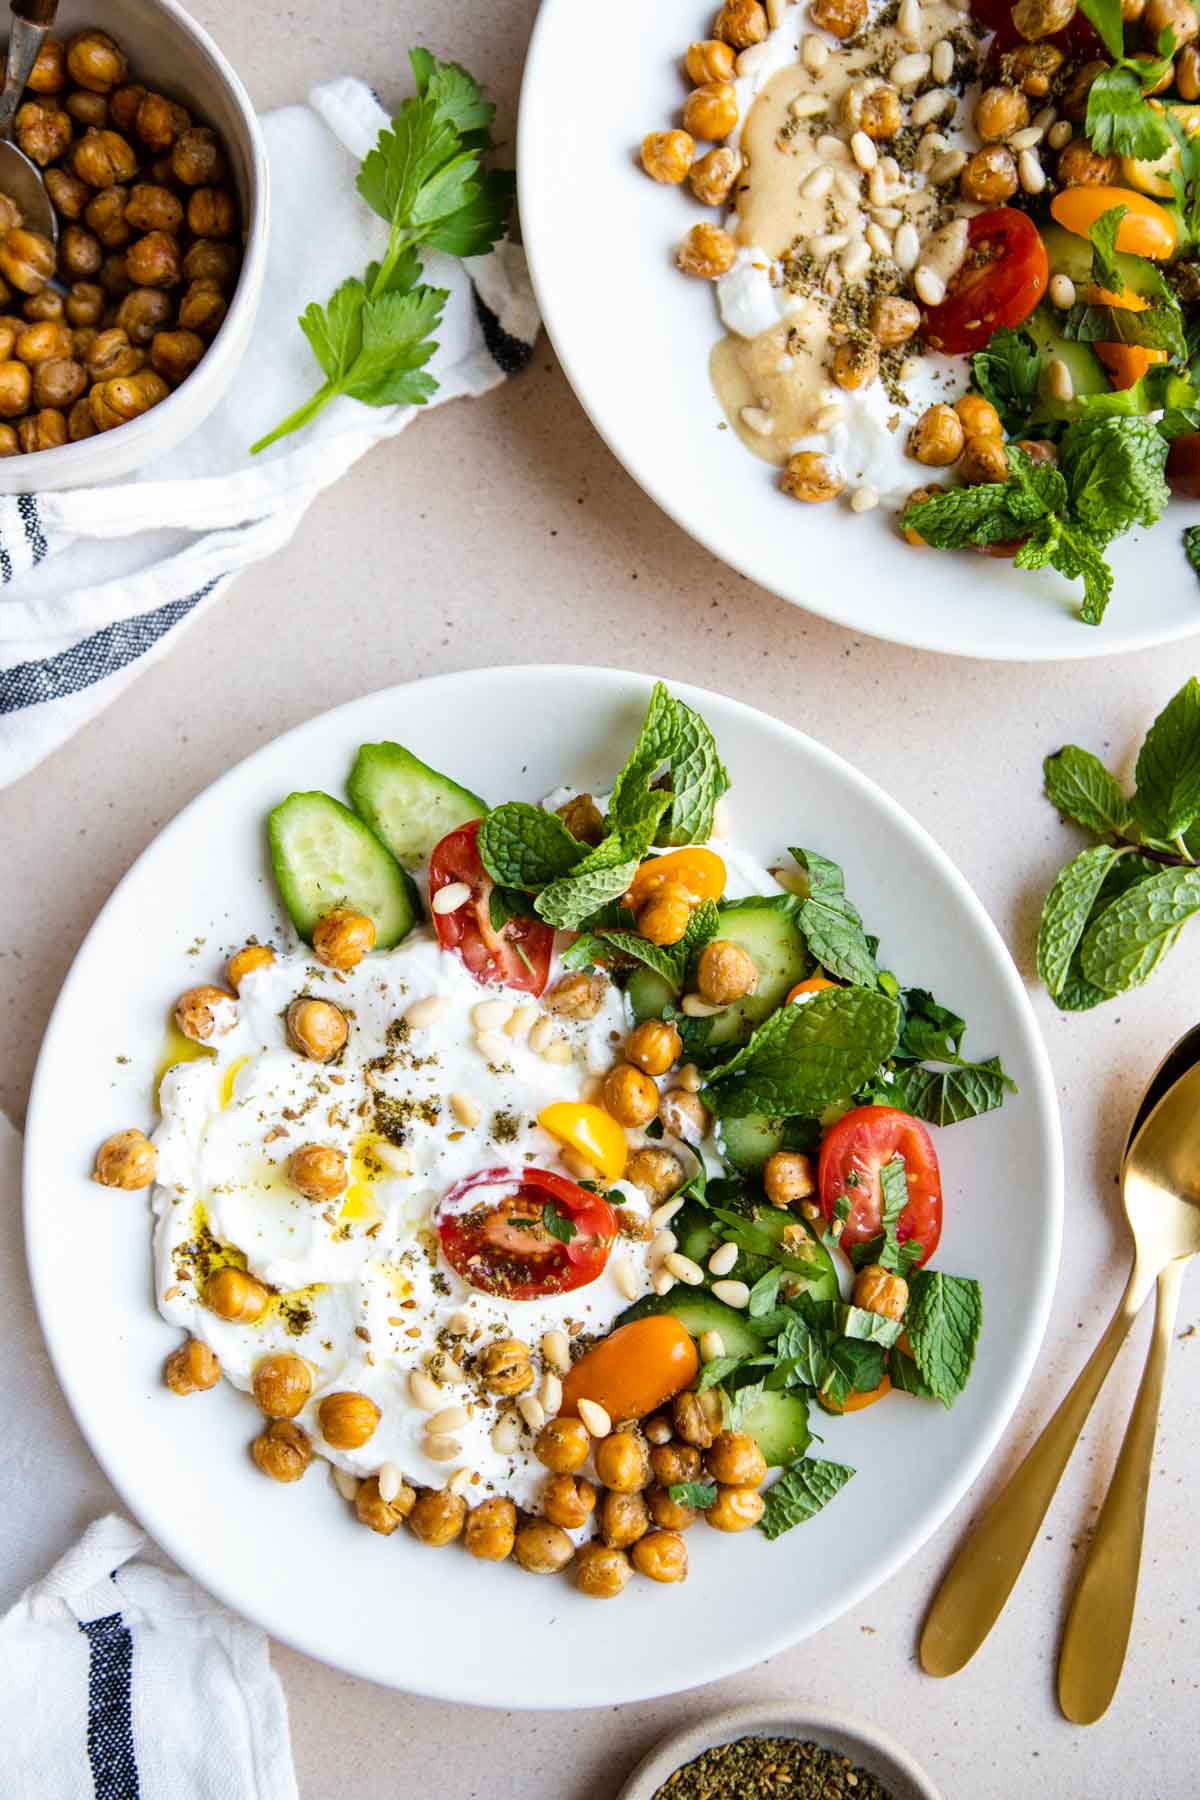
pixel 814 985
pixel 701 872
pixel 1146 230
pixel 589 1130
pixel 634 1369
pixel 854 1401
pixel 1127 301
pixel 1127 363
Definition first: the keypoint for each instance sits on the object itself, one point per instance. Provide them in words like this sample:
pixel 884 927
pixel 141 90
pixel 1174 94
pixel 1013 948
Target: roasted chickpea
pixel 710 111
pixel 154 261
pixel 569 1501
pixel 876 1290
pixel 161 123
pixel 160 171
pixel 577 996
pixel 203 309
pixel 735 1509
pixel 661 1555
pixel 666 915
pixel 712 177
pixel 103 159
pixel 383 1516
pixel 893 321
pixel 205 1012
pixel 197 159
pixel 437 1517
pixel 1073 100
pixel 674 1462
pixel 809 476
pixel 999 112
pixel 629 1096
pixel 1039 450
pixel 881 117
pixel 58 382
pixel 1177 16
pixel 114 276
pixel 654 1046
pixel 143 313
pixel 979 417
pixel 1149 61
pixel 87 109
pixel 44 430
pixel 69 194
pixel 542 1548
pixel 841 18
pixel 1034 66
pixel 10 217
pixel 1187 73
pixel 492 1529
pixel 505 1368
pixel 8 338
pixel 709 60
pixel 80 255
pixel 44 307
pixel 318 1171
pixel 658 1173
pixel 43 130
pixel 212 213
pixel 990 176
pixel 80 423
pixel 1080 166
pixel 910 533
pixel 582 818
pixel 624 1518
pixel 10 443
pixel 788 1177
pixel 27 260
pixel 937 438
pixel 110 353
pixel 209 259
pixel 192 1369
pixel 343 937
pixel 123 106
pixel 563 1445
pixel 234 1295
pixel 49 72
pixel 282 1451
pixel 316 1028
pixel 735 1460
pixel 16 387
pixel 601 1573
pixel 153 208
pixel 347 1419
pixel 726 972
pixel 670 1515
pixel 983 459
pixel 43 340
pixel 656 1429
pixel 174 354
pixel 96 62
pixel 691 1420
pixel 126 1160
pixel 105 216
pixel 282 1385
pixel 1042 18
pixel 684 1115
pixel 667 156
pixel 706 252
pixel 125 397
pixel 243 961
pixel 622 1461
pixel 741 23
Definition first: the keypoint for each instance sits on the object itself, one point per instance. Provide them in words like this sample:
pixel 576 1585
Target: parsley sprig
pixel 374 335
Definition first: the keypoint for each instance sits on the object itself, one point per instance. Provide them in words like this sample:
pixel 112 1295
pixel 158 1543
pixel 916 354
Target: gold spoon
pixel 1160 1187
pixel 1096 1635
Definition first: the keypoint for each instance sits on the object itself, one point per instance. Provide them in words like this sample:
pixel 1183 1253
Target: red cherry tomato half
pixel 502 1243
pixel 854 1151
pixel 516 956
pixel 1000 282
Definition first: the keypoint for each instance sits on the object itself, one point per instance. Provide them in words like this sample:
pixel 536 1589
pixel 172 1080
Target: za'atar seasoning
pixel 771 1768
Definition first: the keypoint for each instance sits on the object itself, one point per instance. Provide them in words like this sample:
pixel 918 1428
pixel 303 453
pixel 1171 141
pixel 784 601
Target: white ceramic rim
pixel 39 1223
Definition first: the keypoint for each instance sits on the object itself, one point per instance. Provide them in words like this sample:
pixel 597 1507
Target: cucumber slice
pixel 698 1312
pixel 695 1231
pixel 818 1275
pixel 649 993
pixel 323 856
pixel 747 1142
pixel 765 927
pixel 408 805
pixel 778 1423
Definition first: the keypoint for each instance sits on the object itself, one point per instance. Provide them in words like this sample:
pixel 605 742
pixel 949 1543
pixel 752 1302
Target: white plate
pixel 634 337
pixel 294 1558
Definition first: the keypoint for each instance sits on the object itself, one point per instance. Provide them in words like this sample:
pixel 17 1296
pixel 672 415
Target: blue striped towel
pixel 96 583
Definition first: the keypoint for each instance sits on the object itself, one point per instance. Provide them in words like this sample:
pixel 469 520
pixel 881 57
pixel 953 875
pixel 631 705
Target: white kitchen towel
pixel 126 1682
pixel 96 583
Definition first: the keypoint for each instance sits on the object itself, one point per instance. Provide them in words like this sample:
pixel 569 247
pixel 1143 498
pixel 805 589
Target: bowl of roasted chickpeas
pixel 121 338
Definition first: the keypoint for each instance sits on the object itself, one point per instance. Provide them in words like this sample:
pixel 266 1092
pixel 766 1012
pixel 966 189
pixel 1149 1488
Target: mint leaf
pixel 1007 373
pixel 567 903
pixel 962 516
pixel 671 961
pixel 740 1404
pixel 1066 911
pixel 700 1494
pixel 674 736
pixel 1075 554
pixel 559 1224
pixel 1167 800
pixel 1106 16
pixel 765 1293
pixel 870 1327
pixel 715 1372
pixel 943 1321
pixel 836 939
pixel 947 1096
pixel 800 1493
pixel 1125 944
pixel 523 846
pixel 931 1032
pixel 754 1240
pixel 1114 471
pixel 803 1057
pixel 820 876
pixel 1079 785
pixel 907 1377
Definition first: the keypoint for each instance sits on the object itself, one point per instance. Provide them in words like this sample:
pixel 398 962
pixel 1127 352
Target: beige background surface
pixel 502 530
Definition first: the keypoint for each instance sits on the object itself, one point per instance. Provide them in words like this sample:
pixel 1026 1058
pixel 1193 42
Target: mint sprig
pixel 801 1493
pixel 802 1058
pixel 943 1322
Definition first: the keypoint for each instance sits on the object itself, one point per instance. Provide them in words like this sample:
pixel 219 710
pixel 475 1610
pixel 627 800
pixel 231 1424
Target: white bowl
pixel 867 1746
pixel 168 50
pixel 294 1558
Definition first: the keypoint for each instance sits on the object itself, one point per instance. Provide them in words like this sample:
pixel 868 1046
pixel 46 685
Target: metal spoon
pixel 1096 1635
pixel 1160 1186
pixel 20 178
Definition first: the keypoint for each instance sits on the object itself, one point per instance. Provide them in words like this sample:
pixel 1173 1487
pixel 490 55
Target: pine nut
pixel 522 1021
pixel 425 1391
pixel 733 1293
pixel 864 499
pixel 775 9
pixel 712 1345
pixel 828 417
pixel 1045 119
pixel 442 1449
pixel 856 259
pixel 626 1279
pixel 1058 380
pixel 683 1269
pixel 662 1215
pixel 947 166
pixel 424 1013
pixel 389 1481
pixel 907 246
pixel 755 419
pixel 550 1392
pixel 661 1246
pixel 1062 292
pixel 1025 140
pixel 929 287
pixel 832 281
pixel 810 1210
pixel 459 1482
pixel 532 1411
pixel 345 1483
pixel 540 1035
pixel 506 1433
pixel 443 1368
pixel 467 1111
pixel 878 240
pixel 723 1259
pixel 862 149
pixel 908 70
pixel 556 1350
pixel 846 184
pixel 395 1160
pixel 852 104
pixel 931 106
pixel 448 1420
pixel 689 1079
pixel 448 899
pixel 814 53
pixel 807 106
pixel 692 1004
pixel 493 1049
pixel 558 1051
pixel 831 148
pixel 880 186
pixel 942 60
pixel 490 1015
pixel 887 216
pixel 1060 135
pixel 818 184
pixel 458 1324
pixel 595 1418
pixel 908 21
pixel 662 1282
pixel 1031 172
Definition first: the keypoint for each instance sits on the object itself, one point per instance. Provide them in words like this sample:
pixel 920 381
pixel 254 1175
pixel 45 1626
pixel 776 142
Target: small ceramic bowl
pixel 866 1745
pixel 168 50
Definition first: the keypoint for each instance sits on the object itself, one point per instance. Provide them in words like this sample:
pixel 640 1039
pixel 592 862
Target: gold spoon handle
pixel 1101 1615
pixel 982 1575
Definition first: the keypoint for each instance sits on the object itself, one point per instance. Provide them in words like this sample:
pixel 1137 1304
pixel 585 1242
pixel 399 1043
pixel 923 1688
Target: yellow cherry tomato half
pixel 1127 301
pixel 634 1369
pixel 701 872
pixel 590 1131
pixel 816 984
pixel 855 1401
pixel 1127 363
pixel 1146 230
